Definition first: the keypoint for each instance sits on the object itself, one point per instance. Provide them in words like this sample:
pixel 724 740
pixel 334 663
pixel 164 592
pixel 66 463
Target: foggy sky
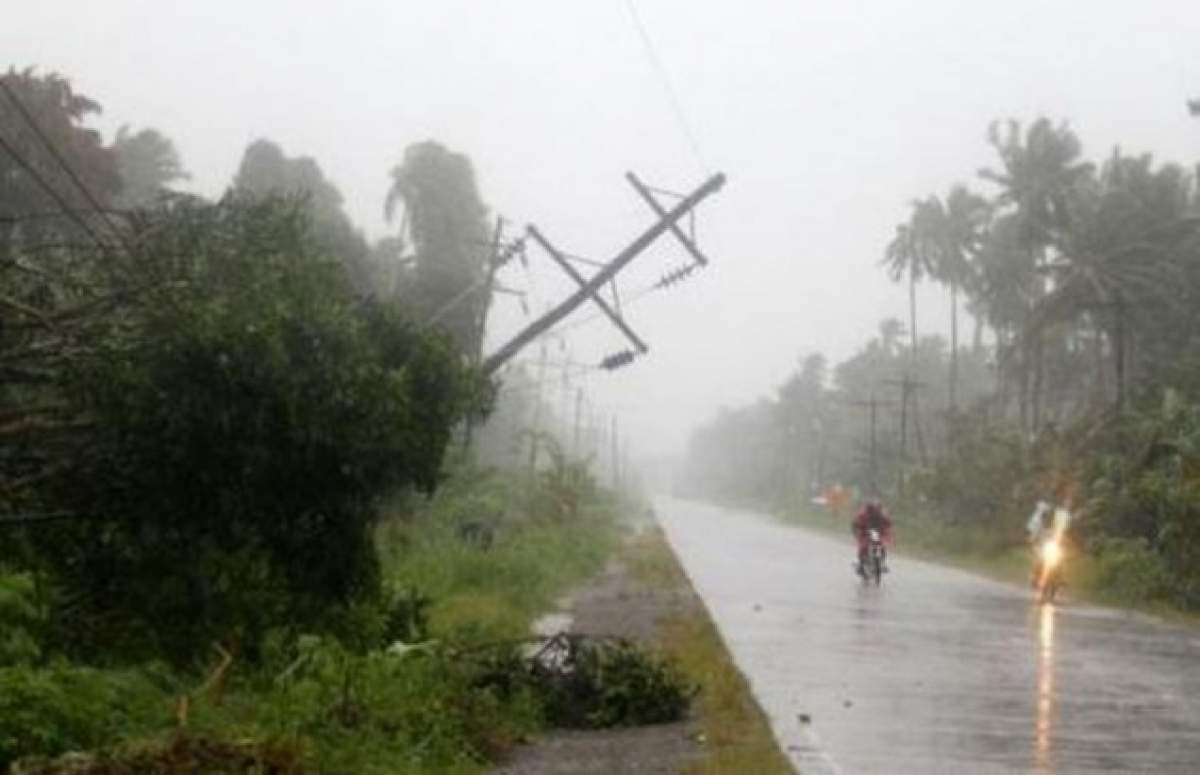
pixel 828 117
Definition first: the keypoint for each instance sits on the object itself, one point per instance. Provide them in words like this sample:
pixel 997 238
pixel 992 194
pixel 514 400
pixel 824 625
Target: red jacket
pixel 864 521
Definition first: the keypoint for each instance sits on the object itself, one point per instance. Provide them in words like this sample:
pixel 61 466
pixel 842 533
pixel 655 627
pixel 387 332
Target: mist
pixel 827 120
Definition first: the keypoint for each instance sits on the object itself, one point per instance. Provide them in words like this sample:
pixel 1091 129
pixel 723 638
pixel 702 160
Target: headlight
pixel 1051 553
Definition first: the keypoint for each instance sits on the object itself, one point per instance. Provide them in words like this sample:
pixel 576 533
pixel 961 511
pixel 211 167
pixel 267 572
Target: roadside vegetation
pixel 242 525
pixel 736 734
pixel 1077 383
pixel 427 676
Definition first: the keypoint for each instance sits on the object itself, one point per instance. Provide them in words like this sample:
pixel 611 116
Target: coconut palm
pixel 1121 252
pixel 907 256
pixel 1040 169
pixel 964 218
pixel 912 253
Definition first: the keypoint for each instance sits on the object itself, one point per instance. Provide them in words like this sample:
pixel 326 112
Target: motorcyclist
pixel 1045 523
pixel 871 517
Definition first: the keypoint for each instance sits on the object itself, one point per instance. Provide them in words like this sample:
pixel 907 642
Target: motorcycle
pixel 1048 577
pixel 872 568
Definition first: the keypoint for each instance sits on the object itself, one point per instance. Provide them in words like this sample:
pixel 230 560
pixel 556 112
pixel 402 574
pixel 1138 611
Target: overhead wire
pixel 62 162
pixel 596 316
pixel 665 79
pixel 52 192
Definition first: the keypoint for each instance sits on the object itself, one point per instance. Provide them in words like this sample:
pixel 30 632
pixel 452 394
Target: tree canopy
pixel 446 218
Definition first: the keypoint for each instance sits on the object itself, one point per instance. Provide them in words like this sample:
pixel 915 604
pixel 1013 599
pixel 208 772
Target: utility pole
pixel 615 441
pixel 575 448
pixel 588 289
pixel 599 436
pixel 565 403
pixel 495 260
pixel 625 460
pixel 907 385
pixel 872 406
pixel 535 429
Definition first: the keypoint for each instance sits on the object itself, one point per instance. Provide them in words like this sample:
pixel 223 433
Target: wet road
pixel 938 671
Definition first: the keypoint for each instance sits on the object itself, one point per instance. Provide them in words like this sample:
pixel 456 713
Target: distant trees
pixel 148 164
pixel 265 169
pixel 60 113
pixel 447 220
pixel 1087 274
pixel 200 408
pixel 1039 170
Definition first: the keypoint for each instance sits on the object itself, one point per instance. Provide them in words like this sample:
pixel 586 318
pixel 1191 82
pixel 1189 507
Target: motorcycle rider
pixel 871 517
pixel 1045 523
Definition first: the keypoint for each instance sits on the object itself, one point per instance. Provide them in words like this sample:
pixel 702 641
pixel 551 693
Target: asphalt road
pixel 937 671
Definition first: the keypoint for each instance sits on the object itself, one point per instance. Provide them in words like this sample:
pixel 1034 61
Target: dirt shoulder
pixel 643 595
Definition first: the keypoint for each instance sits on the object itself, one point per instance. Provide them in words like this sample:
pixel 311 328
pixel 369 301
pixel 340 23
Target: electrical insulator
pixel 672 277
pixel 617 360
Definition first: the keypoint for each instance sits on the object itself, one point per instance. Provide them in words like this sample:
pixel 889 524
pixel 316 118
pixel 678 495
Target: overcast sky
pixel 827 117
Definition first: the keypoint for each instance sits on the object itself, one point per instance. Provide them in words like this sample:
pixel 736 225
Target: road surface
pixel 937 671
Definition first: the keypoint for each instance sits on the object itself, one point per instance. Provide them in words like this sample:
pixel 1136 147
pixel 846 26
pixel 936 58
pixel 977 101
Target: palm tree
pixel 912 253
pixel 1120 252
pixel 907 256
pixel 963 219
pixel 1040 171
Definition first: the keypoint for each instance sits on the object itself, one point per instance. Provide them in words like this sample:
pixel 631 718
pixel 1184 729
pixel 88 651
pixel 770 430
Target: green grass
pixel 341 707
pixel 737 737
pixel 495 594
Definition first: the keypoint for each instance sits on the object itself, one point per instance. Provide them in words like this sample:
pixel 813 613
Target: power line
pixel 37 130
pixel 600 315
pixel 665 79
pixel 49 189
pixel 48 214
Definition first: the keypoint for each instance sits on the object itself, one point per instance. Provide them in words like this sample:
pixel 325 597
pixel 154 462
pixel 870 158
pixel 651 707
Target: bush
pixel 615 684
pixel 48 711
pixel 244 415
pixel 981 476
pixel 1145 491
pixel 22 621
pixel 1130 571
pixel 180 754
pixel 418 708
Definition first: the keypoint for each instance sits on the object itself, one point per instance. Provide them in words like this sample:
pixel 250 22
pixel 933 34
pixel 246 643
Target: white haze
pixel 828 117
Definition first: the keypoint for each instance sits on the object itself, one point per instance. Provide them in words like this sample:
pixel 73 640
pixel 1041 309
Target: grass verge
pixel 355 704
pixel 737 736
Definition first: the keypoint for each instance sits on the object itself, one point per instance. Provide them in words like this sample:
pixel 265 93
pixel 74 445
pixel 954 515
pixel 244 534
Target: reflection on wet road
pixel 937 671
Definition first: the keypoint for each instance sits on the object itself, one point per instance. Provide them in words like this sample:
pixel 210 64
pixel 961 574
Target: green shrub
pixel 385 710
pixel 1130 571
pixel 616 684
pixel 243 414
pixel 48 711
pixel 22 621
pixel 182 753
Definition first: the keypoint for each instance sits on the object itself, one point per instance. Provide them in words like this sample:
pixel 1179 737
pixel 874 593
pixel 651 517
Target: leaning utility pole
pixel 589 288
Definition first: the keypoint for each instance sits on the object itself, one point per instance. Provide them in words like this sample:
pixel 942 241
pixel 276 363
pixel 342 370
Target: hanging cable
pixel 49 189
pixel 665 79
pixel 37 130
